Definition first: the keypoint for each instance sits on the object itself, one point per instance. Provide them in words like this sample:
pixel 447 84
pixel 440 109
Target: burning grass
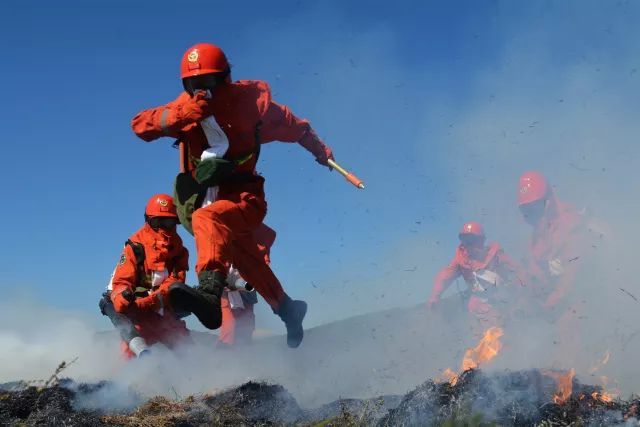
pixel 488 348
pixel 564 384
pixel 509 399
pixel 476 399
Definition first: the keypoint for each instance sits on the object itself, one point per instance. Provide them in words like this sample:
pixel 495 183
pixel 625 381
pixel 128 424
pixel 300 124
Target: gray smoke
pixel 574 119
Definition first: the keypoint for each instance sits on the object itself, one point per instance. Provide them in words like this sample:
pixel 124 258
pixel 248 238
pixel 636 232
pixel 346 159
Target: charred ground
pixel 333 380
pixel 517 398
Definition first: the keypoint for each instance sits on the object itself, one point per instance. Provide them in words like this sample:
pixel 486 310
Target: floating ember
pixel 601 363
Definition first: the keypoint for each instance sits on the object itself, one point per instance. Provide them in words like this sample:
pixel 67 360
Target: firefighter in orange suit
pixel 137 299
pixel 485 269
pixel 222 125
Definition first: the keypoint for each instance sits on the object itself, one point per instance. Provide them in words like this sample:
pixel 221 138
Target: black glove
pixel 128 295
pixel 104 302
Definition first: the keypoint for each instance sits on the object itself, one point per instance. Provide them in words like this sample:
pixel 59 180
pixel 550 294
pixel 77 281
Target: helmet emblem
pixel 193 56
pixel 163 202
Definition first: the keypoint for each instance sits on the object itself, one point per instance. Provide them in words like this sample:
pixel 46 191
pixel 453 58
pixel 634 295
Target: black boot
pixel 203 301
pixel 292 313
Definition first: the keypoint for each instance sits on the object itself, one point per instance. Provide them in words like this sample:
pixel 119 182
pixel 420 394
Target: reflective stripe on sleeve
pixel 163 121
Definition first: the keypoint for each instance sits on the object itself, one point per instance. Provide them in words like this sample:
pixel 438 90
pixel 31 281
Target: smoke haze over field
pixel 439 109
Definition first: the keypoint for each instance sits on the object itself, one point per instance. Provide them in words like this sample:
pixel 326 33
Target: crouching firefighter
pixel 485 269
pixel 221 125
pixel 153 261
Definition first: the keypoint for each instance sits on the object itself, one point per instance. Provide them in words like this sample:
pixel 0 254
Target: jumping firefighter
pixel 137 300
pixel 221 125
pixel 485 270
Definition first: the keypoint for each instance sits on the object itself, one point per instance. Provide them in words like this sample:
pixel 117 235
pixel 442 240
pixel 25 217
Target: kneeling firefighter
pixel 137 298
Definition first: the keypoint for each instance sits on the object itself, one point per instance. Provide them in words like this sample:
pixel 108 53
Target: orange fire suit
pixel 484 272
pixel 558 253
pixel 557 242
pixel 166 261
pixel 248 117
pixel 238 324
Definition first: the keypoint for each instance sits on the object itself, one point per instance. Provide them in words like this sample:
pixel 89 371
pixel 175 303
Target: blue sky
pixel 399 90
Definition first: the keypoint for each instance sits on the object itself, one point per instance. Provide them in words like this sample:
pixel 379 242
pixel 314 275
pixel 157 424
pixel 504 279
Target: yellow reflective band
pixel 244 159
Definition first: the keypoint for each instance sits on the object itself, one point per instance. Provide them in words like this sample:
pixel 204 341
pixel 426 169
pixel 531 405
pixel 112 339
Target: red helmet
pixel 533 187
pixel 161 205
pixel 203 58
pixel 472 227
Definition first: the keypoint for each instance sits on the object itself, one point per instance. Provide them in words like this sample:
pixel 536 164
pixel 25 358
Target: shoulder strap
pixel 138 252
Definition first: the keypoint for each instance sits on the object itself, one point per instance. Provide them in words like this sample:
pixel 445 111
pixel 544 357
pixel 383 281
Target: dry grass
pixel 157 412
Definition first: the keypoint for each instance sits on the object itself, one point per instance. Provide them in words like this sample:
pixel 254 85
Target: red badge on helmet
pixel 160 205
pixel 192 59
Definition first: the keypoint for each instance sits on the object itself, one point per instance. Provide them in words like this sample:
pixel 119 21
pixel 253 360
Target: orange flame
pixel 449 376
pixel 564 384
pixel 487 349
pixel 604 395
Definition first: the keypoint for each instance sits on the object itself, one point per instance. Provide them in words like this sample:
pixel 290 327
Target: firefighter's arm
pixel 172 118
pixel 565 268
pixel 442 281
pixel 123 281
pixel 563 285
pixel 179 273
pixel 513 271
pixel 159 298
pixel 280 124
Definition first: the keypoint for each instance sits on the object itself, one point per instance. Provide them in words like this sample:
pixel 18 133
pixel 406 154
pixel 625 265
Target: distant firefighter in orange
pixel 485 269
